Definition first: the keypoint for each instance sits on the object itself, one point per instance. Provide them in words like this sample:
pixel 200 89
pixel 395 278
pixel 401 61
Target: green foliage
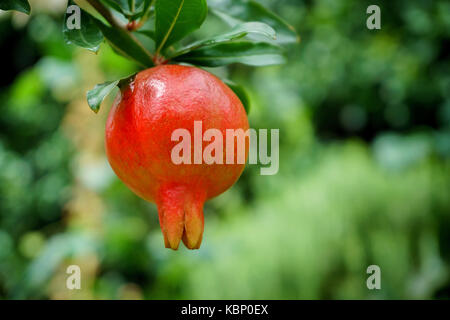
pixel 175 19
pixel 96 96
pixel 234 12
pixel 314 237
pixel 125 45
pixel 245 52
pixel 88 36
pixel 238 32
pixel 131 9
pixel 19 5
pixel 241 93
pixel 35 161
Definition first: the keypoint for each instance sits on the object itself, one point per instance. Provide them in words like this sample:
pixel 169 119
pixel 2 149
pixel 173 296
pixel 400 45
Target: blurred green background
pixel 364 119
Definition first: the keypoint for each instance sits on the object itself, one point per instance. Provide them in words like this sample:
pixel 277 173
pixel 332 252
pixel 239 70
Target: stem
pixel 163 42
pixel 141 45
pixel 105 13
pixel 148 11
pixel 147 14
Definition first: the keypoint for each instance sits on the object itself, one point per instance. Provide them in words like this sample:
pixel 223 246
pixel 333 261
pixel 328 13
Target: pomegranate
pixel 139 144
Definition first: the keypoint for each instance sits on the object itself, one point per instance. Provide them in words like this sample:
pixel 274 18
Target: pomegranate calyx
pixel 181 217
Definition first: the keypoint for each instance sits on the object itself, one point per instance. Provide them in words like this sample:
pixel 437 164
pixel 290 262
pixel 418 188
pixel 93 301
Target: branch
pixel 105 13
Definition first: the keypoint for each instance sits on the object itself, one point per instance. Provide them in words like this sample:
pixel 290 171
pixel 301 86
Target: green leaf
pixel 130 10
pixel 246 52
pixel 177 18
pixel 148 33
pixel 234 12
pixel 86 34
pixel 242 30
pixel 96 96
pixel 241 93
pixel 114 4
pixel 237 32
pixel 125 43
pixel 18 5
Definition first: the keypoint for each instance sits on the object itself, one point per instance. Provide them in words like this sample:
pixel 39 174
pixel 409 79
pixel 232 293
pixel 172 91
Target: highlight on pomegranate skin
pixel 139 144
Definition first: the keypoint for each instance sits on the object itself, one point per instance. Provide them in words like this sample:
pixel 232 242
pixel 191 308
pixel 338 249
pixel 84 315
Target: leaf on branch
pixel 242 30
pixel 17 5
pixel 125 43
pixel 84 32
pixel 148 33
pixel 245 52
pixel 96 96
pixel 238 11
pixel 237 32
pixel 241 93
pixel 127 8
pixel 175 19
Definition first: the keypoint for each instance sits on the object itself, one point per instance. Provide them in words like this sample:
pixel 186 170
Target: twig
pixel 105 13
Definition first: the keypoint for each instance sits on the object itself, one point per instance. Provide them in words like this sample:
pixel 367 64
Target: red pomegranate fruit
pixel 139 144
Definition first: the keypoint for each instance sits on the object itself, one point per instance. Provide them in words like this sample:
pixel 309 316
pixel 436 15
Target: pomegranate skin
pixel 138 141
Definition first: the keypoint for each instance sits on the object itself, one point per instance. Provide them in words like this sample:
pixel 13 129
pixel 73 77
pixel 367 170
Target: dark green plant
pixel 166 24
